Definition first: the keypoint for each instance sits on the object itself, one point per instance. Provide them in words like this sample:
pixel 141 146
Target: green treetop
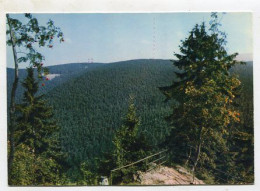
pixel 203 97
pixel 36 133
pixel 130 145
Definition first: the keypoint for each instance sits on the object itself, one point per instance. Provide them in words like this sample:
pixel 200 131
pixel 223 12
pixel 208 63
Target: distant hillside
pixel 90 100
pixel 64 71
pixel 90 107
pixel 245 74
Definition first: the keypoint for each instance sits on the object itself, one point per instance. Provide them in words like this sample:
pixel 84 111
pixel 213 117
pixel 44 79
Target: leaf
pixel 22 59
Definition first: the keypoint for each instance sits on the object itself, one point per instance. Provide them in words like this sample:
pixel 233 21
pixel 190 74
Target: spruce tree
pixel 130 145
pixel 37 137
pixel 203 96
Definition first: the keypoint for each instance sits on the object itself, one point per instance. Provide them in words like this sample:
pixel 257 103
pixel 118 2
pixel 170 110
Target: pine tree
pixel 203 97
pixel 130 145
pixel 36 137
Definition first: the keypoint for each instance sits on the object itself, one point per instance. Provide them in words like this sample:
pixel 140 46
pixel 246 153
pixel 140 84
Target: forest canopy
pixel 93 117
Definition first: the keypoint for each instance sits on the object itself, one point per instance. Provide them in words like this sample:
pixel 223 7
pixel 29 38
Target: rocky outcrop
pixel 163 175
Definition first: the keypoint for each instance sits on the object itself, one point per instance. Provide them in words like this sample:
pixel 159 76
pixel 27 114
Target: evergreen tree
pixel 203 97
pixel 126 138
pixel 36 137
pixel 26 36
pixel 129 146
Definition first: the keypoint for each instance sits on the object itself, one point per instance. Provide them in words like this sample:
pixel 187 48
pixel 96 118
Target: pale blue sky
pixel 124 36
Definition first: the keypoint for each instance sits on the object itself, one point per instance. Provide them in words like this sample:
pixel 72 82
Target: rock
pixel 182 169
pixel 104 181
pixel 138 176
pixel 166 176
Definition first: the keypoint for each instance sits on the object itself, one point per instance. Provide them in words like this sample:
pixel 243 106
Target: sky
pixel 112 37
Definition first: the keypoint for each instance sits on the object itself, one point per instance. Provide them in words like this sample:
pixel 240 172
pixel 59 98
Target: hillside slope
pixel 90 100
pixel 58 75
pixel 91 106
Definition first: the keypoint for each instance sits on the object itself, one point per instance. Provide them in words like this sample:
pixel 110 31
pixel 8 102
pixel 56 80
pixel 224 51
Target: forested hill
pixel 58 75
pixel 90 107
pixel 90 100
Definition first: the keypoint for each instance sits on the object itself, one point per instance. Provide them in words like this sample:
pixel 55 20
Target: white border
pixel 130 6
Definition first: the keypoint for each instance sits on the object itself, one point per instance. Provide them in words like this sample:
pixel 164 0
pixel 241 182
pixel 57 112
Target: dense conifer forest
pixel 72 124
pixel 91 103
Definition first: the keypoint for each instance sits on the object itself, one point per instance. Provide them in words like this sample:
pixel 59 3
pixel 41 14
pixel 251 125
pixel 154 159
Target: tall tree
pixel 27 37
pixel 203 97
pixel 37 132
pixel 130 145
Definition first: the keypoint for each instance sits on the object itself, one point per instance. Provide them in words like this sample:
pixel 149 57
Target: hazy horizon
pixel 243 58
pixel 114 37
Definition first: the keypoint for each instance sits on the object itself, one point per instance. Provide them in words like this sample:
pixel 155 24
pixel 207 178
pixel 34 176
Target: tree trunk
pixel 197 155
pixel 188 159
pixel 11 127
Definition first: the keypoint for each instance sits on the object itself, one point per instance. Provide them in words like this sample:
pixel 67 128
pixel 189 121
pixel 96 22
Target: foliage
pixel 241 140
pixel 129 146
pixel 93 103
pixel 126 137
pixel 87 177
pixel 37 139
pixel 211 123
pixel 203 111
pixel 94 140
pixel 23 160
pixel 65 73
pixel 28 36
pixel 99 111
pixel 29 169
